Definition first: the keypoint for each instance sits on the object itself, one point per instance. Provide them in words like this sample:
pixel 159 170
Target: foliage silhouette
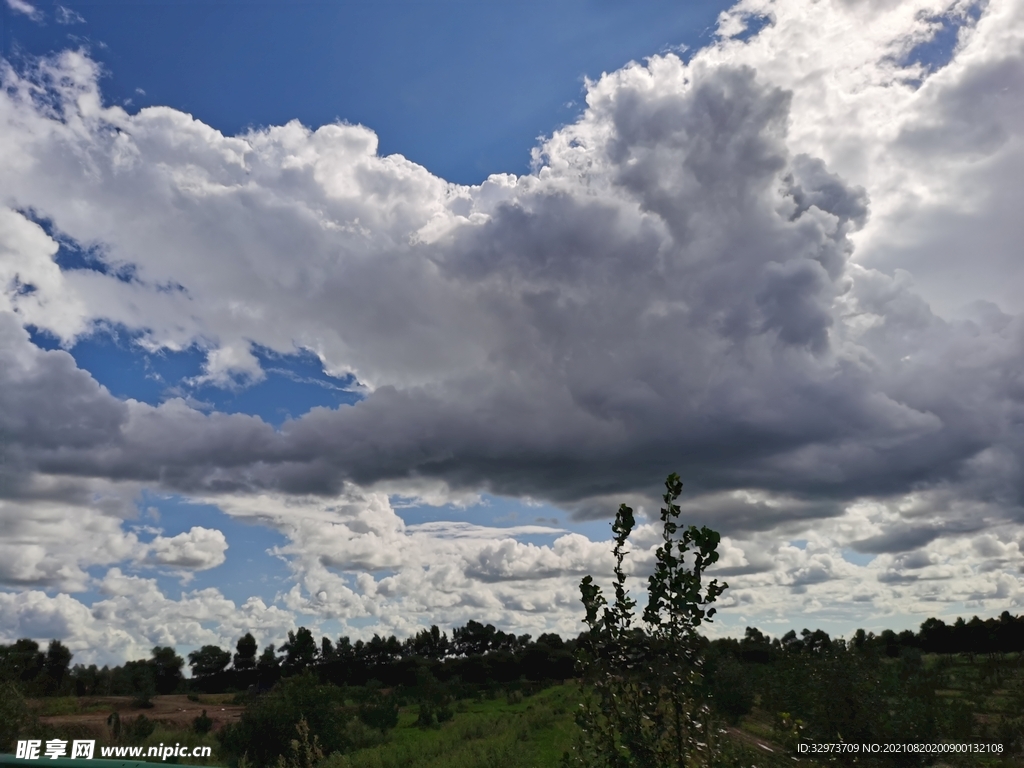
pixel 645 704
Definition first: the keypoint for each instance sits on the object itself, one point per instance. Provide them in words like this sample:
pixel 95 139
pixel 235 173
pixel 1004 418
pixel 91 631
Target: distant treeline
pixel 475 654
pixel 1004 634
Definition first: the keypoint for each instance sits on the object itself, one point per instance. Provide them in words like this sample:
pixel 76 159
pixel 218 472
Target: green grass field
pixel 492 733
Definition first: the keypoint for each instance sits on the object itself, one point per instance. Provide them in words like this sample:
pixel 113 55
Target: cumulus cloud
pixel 54 530
pixel 353 557
pixel 133 616
pixel 784 268
pixel 197 549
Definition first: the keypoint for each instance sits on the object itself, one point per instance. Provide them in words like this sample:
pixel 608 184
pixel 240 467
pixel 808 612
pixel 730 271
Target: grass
pixel 493 734
pixel 534 732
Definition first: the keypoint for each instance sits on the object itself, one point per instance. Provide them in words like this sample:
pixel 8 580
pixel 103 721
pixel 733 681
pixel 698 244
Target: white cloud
pixel 20 6
pixel 56 529
pixel 68 16
pixel 353 558
pixel 197 549
pixel 134 616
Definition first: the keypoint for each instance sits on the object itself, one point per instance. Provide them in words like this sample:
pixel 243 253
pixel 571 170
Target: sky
pixel 366 317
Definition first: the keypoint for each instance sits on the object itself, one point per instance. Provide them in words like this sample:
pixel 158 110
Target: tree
pixel 268 668
pixel 429 644
pixel 326 649
pixel 21 661
pixel 644 705
pixel 167 666
pixel 208 660
pixel 245 658
pixel 58 661
pixel 474 639
pixel 300 651
pixel 379 710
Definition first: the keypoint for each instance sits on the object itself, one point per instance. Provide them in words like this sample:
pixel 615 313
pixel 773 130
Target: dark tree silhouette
pixel 208 660
pixel 245 652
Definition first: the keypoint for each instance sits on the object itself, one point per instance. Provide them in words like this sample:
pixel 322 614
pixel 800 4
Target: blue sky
pixel 463 88
pixel 398 362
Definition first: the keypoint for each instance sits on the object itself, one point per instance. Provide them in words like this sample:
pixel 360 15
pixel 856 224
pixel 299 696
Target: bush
pixel 268 725
pixel 202 724
pixel 137 729
pixel 731 692
pixel 435 700
pixel 15 716
pixel 358 735
pixel 305 750
pixel 379 711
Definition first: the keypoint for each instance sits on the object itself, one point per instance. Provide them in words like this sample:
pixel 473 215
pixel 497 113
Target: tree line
pixel 476 652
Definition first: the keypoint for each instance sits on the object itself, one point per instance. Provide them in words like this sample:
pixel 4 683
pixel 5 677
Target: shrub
pixel 305 750
pixel 268 724
pixel 137 729
pixel 202 724
pixel 379 711
pixel 435 700
pixel 15 716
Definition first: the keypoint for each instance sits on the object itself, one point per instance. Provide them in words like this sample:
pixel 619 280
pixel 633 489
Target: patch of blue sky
pixel 72 255
pixel 459 86
pixel 937 52
pixel 294 383
pixel 755 23
pixel 248 569
pixel 857 558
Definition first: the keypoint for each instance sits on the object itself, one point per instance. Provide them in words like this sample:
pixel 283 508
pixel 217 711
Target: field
pixel 175 712
pixel 499 729
pixel 506 731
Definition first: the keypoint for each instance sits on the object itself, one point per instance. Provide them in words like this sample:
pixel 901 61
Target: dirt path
pixel 174 711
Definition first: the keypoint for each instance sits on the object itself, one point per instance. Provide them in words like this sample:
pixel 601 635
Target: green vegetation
pixel 489 733
pixel 645 698
pixel 785 696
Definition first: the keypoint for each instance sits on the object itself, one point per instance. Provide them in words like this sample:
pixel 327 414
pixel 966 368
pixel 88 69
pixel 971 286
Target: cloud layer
pixel 784 268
